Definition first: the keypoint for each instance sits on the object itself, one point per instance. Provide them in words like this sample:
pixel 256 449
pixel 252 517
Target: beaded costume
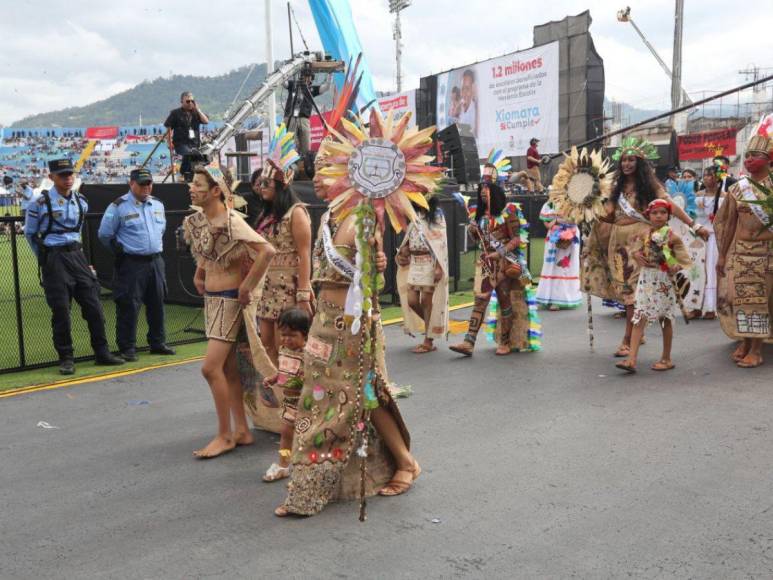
pixel 518 326
pixel 281 282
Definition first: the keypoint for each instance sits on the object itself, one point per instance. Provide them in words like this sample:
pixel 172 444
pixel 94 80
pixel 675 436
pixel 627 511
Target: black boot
pixel 66 366
pixel 108 359
pixel 128 355
pixel 162 349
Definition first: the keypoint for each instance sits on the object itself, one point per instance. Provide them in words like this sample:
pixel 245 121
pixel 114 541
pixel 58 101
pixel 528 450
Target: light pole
pixel 395 7
pixel 270 69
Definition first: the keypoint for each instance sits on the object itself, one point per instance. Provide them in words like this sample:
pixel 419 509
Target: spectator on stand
pixel 185 124
pixel 533 161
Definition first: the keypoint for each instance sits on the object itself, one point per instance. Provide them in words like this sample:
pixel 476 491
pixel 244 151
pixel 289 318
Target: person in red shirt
pixel 534 182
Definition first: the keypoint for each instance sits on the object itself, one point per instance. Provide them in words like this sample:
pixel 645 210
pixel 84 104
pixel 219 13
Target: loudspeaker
pixel 460 153
pixel 426 102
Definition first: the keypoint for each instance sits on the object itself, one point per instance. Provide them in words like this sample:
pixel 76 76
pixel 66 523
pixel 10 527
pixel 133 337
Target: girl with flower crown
pixel 661 254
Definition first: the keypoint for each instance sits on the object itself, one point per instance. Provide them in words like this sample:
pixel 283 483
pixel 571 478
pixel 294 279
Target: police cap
pixel 57 166
pixel 141 176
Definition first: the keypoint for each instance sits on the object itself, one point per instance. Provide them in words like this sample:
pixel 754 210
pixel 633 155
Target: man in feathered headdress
pixel 231 259
pixel 745 265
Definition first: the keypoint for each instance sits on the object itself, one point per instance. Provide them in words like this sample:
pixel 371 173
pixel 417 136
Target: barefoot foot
pixel 219 445
pixel 243 437
pixel 503 350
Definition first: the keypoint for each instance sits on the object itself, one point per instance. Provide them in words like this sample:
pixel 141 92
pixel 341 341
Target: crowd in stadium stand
pixel 24 153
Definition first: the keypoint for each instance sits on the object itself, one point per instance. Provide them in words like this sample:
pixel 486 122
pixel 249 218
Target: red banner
pixel 317 130
pixel 708 144
pixel 102 133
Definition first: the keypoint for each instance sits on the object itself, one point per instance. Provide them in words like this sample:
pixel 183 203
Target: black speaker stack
pixel 460 153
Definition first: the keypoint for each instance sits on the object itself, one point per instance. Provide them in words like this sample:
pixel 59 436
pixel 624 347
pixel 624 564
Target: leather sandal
pixel 662 365
pixel 398 487
pixel 623 351
pixel 750 365
pixel 423 348
pixel 464 348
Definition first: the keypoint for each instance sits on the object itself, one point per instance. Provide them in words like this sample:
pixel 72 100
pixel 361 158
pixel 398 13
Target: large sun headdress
pixel 500 162
pixel 384 165
pixel 638 147
pixel 281 157
pixel 581 185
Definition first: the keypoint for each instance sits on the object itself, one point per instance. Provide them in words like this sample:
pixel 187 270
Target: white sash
pixel 747 193
pixel 354 296
pixel 339 263
pixel 629 210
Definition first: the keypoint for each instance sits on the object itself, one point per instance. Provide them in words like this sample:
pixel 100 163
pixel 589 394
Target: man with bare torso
pixel 231 260
pixel 745 232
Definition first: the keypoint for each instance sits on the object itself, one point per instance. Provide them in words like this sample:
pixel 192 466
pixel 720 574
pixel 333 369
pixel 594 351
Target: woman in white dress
pixel 559 284
pixel 706 200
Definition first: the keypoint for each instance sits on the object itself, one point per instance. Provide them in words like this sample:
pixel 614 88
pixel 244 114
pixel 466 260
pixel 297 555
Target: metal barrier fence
pixel 25 319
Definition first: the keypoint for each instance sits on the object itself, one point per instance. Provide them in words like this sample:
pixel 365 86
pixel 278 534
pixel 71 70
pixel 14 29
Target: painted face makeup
pixel 756 164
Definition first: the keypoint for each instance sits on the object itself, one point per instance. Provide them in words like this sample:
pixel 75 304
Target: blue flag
pixel 339 38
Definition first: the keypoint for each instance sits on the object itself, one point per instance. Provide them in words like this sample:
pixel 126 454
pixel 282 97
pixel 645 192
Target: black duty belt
pixel 74 247
pixel 142 257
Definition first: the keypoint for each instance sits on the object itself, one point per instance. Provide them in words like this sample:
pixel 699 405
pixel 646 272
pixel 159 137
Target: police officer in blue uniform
pixel 53 228
pixel 133 229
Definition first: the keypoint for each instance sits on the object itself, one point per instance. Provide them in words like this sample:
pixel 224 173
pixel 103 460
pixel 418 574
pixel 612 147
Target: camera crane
pixel 313 62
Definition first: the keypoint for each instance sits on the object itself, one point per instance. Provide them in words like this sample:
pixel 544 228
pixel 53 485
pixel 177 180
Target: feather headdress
pixel 638 147
pixel 498 160
pixel 282 155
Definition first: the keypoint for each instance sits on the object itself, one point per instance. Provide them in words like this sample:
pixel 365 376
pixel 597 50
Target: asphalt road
pixel 543 465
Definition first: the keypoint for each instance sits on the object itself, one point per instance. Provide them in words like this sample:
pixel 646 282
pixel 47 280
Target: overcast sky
pixel 58 54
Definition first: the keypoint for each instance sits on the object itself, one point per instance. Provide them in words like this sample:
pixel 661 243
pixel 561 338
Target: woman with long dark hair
pixel 635 187
pixel 422 276
pixel 285 223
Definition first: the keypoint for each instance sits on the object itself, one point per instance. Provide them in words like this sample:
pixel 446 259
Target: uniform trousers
pixel 139 280
pixel 66 275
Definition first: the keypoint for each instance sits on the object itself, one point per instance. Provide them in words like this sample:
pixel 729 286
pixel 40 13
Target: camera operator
pixel 186 138
pixel 298 108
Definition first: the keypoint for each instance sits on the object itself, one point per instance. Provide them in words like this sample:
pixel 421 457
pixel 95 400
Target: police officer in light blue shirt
pixel 133 229
pixel 53 228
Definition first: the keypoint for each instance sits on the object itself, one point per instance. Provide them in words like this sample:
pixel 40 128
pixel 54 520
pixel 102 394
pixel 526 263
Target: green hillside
pixel 153 100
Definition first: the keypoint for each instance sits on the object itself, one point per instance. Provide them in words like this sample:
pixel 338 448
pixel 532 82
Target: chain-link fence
pixel 25 318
